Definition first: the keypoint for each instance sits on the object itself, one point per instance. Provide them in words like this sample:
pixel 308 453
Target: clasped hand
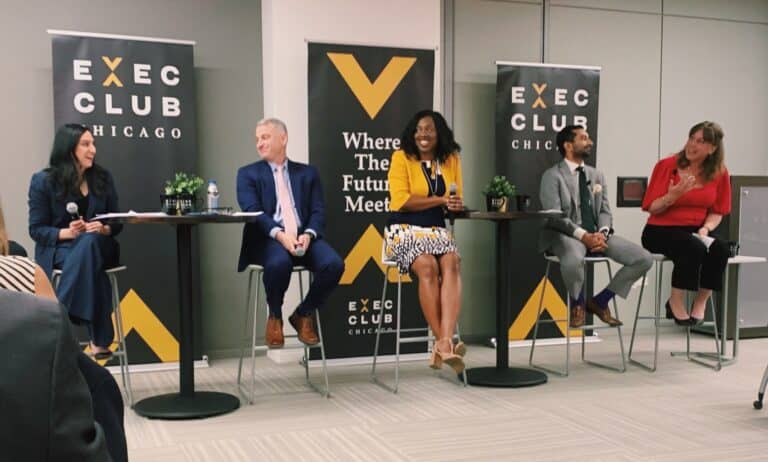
pixel 290 243
pixel 595 242
pixel 79 226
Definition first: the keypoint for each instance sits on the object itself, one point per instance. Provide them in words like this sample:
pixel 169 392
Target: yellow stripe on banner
pixel 372 96
pixel 368 247
pixel 139 317
pixel 552 304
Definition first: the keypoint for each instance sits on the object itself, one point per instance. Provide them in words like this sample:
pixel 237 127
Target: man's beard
pixel 583 154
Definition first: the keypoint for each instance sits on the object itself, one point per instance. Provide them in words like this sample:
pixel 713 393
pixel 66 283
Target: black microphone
pixel 73 210
pixel 452 193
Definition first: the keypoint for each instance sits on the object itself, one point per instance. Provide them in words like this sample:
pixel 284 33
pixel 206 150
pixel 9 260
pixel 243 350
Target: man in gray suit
pixel 586 229
pixel 45 408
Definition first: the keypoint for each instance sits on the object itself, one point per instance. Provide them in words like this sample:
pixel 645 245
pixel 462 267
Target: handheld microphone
pixel 73 210
pixel 452 190
pixel 300 251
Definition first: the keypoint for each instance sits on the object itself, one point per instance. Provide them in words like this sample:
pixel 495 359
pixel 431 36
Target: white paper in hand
pixel 705 239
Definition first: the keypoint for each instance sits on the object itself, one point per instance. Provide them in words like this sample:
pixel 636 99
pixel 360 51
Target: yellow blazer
pixel 406 178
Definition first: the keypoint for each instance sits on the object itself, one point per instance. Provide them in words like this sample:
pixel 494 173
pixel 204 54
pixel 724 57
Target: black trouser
pixel 694 266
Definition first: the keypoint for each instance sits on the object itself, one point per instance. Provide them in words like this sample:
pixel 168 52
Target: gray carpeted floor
pixel 681 412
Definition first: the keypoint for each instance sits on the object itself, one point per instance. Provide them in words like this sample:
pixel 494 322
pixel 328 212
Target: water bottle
pixel 213 196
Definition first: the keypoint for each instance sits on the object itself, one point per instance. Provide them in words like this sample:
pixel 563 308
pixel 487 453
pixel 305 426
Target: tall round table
pixel 187 403
pixel 502 375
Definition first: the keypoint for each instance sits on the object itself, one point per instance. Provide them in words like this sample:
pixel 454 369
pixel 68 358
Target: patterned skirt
pixel 404 243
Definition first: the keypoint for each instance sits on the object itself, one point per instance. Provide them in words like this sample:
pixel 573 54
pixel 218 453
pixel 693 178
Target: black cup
pixel 523 202
pixel 733 248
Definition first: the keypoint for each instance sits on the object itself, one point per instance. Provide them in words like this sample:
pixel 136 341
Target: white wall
pixel 288 25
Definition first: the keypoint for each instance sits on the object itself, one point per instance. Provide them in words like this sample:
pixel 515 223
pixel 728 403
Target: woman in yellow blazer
pixel 425 181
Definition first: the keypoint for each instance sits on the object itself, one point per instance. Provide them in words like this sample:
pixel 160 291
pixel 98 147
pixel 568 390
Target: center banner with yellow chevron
pixel 534 102
pixel 360 99
pixel 137 96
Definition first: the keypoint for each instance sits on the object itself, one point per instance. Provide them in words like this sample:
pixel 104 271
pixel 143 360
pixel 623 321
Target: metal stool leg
pixel 761 391
pixel 244 337
pixel 327 392
pixel 464 372
pixel 634 326
pixel 378 330
pixel 696 356
pixel 121 346
pixel 397 331
pixel 256 311
pixel 538 315
pixel 562 373
pixel 623 366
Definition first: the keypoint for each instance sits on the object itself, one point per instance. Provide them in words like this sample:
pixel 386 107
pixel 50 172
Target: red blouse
pixel 692 207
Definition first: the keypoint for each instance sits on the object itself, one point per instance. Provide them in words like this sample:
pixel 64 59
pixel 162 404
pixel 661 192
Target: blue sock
pixel 604 297
pixel 276 312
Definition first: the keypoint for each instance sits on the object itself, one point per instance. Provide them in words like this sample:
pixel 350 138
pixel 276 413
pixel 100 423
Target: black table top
pixel 506 216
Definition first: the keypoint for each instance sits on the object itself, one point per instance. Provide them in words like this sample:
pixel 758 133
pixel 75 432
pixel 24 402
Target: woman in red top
pixel 687 197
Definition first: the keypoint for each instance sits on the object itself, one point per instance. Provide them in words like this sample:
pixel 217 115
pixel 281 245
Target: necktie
pixel 284 199
pixel 585 203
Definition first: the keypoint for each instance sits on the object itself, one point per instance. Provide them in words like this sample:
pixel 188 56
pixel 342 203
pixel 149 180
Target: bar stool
pixel 564 373
pixel 120 350
pixel 659 260
pixel 258 343
pixel 399 340
pixel 758 404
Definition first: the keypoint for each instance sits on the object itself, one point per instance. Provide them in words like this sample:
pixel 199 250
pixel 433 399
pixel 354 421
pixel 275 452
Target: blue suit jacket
pixel 48 215
pixel 256 193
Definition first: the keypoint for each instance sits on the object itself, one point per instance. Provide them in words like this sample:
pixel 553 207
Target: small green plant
pixel 499 186
pixel 183 183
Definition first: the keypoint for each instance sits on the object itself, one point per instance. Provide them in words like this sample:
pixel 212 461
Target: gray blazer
pixel 559 190
pixel 45 407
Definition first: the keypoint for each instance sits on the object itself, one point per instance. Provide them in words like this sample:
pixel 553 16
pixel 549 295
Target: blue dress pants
pixel 84 287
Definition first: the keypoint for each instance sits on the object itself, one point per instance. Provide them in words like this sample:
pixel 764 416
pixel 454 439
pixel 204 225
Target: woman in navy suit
pixel 81 248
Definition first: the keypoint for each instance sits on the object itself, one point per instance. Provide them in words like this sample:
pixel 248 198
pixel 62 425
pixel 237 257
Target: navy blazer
pixel 48 215
pixel 256 193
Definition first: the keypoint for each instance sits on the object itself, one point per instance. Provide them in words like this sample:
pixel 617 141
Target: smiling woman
pixel 425 181
pixel 62 200
pixel 687 197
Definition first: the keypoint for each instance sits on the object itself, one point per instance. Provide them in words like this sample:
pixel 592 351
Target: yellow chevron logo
pixel 552 304
pixel 367 248
pixel 112 65
pixel 138 317
pixel 372 96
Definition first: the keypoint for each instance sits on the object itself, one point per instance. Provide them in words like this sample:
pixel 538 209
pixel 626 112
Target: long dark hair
pixel 714 164
pixel 62 166
pixel 446 145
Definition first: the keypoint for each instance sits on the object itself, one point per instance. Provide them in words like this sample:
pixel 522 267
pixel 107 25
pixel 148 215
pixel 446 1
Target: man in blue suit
pixel 289 232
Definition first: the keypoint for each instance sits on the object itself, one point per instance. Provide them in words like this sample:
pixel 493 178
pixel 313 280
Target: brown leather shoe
pixel 603 313
pixel 578 316
pixel 305 328
pixel 274 335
